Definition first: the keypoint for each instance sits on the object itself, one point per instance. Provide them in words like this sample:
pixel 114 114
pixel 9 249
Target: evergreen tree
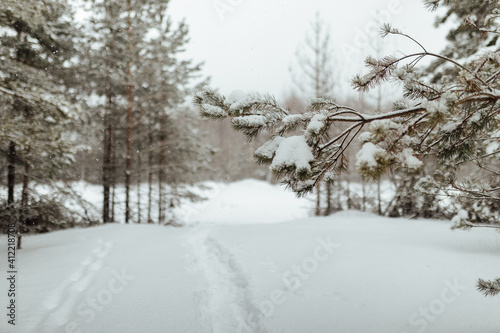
pixel 471 19
pixel 119 27
pixel 316 79
pixel 105 69
pixel 138 81
pixel 163 83
pixel 36 48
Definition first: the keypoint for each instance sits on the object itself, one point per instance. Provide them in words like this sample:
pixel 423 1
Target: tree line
pixel 103 100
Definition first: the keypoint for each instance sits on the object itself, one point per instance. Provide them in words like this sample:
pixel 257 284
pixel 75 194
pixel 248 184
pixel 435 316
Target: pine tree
pixel 316 78
pixel 455 121
pixel 105 67
pixel 140 82
pixel 470 19
pixel 118 31
pixel 35 53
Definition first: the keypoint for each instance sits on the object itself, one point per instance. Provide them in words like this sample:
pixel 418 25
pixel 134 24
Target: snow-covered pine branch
pixel 454 122
pixel 301 161
pixel 450 121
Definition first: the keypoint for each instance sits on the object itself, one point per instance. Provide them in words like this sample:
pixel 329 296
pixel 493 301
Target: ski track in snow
pixel 59 307
pixel 225 300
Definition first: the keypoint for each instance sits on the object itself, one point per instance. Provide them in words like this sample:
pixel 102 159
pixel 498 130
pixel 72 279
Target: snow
pixel 409 160
pixel 450 126
pixel 316 124
pixel 251 201
pixel 460 217
pixel 237 96
pixel 382 126
pixel 238 99
pixel 476 117
pixel 492 147
pixel 292 119
pixel 440 105
pixel 364 137
pixel 250 121
pixel 367 155
pixel 293 152
pixel 268 149
pixel 230 271
pixel 213 110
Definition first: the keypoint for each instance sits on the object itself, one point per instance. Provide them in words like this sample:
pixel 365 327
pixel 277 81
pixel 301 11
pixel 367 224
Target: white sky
pixel 250 44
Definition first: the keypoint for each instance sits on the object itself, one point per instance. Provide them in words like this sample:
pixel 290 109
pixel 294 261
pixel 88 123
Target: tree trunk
pixel 113 176
pixel 139 172
pixel 150 175
pixel 113 201
pixel 11 173
pixel 328 210
pixel 106 168
pixel 318 200
pixel 379 200
pixel 128 158
pixel 363 185
pixel 340 192
pixel 108 142
pixel 161 174
pixel 24 203
pixel 348 192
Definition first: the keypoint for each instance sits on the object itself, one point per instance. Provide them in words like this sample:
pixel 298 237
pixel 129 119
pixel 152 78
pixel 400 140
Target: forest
pixel 105 122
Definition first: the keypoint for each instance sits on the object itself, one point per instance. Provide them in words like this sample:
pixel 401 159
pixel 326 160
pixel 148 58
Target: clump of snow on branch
pixel 368 155
pixel 365 137
pixel 213 111
pixel 436 106
pixel 293 153
pixel 409 160
pixel 450 127
pixel 317 124
pixel 371 159
pixel 493 144
pixel 250 121
pixel 267 150
pixel 237 96
pixel 238 99
pixel 379 130
pixel 292 119
pixel 291 122
pixel 461 220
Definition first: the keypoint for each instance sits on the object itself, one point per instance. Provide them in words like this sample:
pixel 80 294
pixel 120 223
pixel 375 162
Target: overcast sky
pixel 250 44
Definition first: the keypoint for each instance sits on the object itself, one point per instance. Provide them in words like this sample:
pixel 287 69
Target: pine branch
pixel 388 30
pixel 489 288
pixel 257 104
pixel 381 70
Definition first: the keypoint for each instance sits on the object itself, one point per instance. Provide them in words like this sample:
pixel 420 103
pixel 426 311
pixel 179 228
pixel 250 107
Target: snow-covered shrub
pixel 41 214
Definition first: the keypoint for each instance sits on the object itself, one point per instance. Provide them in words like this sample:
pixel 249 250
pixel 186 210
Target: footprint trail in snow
pixel 58 308
pixel 225 300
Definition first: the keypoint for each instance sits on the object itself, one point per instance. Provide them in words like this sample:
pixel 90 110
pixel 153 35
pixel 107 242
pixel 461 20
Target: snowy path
pixel 378 275
pixel 112 278
pixel 57 309
pixel 225 299
pixel 351 272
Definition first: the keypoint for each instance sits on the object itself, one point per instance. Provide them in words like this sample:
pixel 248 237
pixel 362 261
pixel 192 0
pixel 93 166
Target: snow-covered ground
pixel 234 268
